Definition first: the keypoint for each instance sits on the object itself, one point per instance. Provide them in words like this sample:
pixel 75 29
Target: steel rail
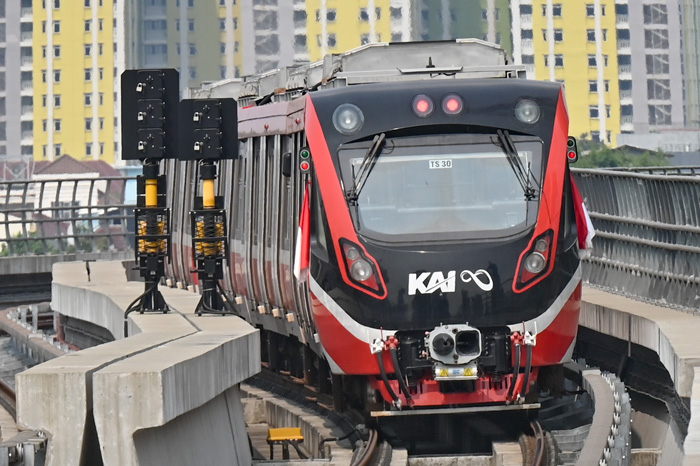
pixel 8 399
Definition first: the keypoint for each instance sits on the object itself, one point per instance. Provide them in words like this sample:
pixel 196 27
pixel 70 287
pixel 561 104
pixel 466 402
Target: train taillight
pixel 422 106
pixel 452 104
pixel 571 150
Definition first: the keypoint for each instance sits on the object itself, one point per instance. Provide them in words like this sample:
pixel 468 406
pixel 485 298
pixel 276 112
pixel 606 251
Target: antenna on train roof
pixel 430 63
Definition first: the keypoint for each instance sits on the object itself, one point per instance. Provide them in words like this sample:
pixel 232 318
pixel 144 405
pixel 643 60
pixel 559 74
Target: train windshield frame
pixel 449 186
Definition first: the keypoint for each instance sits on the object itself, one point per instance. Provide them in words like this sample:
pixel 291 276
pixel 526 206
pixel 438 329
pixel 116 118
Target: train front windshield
pixel 452 186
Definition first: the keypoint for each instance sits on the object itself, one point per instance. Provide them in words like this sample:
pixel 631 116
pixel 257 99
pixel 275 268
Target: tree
pixel 595 154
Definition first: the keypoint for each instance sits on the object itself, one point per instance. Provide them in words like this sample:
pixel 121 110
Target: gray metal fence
pixel 647 242
pixel 58 216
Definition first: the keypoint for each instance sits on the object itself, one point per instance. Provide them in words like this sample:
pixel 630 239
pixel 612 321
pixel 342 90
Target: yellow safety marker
pixel 283 436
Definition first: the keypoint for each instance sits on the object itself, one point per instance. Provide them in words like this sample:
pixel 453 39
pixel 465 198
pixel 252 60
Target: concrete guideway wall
pixel 149 399
pixel 671 334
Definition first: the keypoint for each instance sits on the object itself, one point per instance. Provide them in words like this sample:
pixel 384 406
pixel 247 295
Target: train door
pixel 273 221
pixel 240 218
pixel 286 232
pixel 257 210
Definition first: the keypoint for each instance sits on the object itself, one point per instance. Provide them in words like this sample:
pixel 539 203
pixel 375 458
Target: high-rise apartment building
pixel 16 136
pixel 574 43
pixel 74 76
pixel 489 20
pixel 328 26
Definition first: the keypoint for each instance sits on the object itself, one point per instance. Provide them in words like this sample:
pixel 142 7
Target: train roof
pixel 371 63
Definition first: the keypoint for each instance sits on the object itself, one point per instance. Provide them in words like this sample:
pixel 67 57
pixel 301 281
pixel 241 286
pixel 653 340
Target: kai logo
pixel 429 282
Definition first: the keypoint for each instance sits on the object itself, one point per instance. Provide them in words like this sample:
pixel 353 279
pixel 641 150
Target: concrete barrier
pixel 168 392
pixel 673 336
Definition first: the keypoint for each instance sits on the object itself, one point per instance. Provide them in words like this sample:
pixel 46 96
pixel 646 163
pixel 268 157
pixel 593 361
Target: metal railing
pixel 647 242
pixel 64 216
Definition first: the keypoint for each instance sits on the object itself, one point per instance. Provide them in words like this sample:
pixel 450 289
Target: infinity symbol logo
pixel 468 276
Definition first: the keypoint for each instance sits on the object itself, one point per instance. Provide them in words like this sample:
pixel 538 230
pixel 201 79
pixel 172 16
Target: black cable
pixel 402 382
pixel 382 371
pixel 132 307
pixel 516 372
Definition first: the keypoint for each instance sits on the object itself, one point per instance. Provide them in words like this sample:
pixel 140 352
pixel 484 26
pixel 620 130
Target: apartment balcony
pixel 25 38
pixel 621 19
pixel 27 110
pixel 527 46
pixel 26 88
pixel 27 137
pixel 26 14
pixel 159 35
pixel 626 97
pixel 526 21
pixel 623 45
pixel 26 61
pixel 625 72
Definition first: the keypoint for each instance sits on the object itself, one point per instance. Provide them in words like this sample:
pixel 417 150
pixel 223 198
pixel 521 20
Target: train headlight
pixel 535 262
pixel 527 111
pixel 360 270
pixel 348 118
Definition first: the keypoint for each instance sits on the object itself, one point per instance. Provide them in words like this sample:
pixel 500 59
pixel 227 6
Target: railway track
pixel 8 399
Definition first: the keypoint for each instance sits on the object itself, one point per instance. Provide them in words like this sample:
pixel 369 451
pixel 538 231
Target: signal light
pixel 348 119
pixel 527 111
pixel 452 104
pixel 305 163
pixel 422 106
pixel 571 150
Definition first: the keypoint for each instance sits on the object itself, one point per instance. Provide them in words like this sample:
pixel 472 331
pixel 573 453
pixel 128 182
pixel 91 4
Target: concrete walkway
pixel 167 395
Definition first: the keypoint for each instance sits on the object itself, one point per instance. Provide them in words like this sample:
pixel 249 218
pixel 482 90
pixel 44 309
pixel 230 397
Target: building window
pixel 88 99
pixel 193 49
pixel 57 150
pixel 88 149
pixel 222 48
pixel 592 86
pixel 57 76
pixel 590 35
pixel 56 100
pixel 222 25
pixel 396 12
pixel 102 98
pixel 101 25
pixel 57 4
pixel 43 76
pixel 88 124
pixel 88 50
pixel 605 60
pixel 364 39
pixel 101 71
pixel 605 34
pixel 88 74
pixel 88 25
pixel 593 111
pixel 657 64
pixel 659 114
pixel 44 126
pixel 190 24
pixel 591 60
pixel 590 10
pixel 56 27
pixel 43 51
pixel 656 38
pixel 544 35
pixel 364 16
pixel 558 60
pixel 528 59
pixel 100 48
pixel 87 3
pixel 659 89
pixel 331 15
pixel 102 148
pixel 57 124
pixel 43 100
pixel 558 35
pixel 556 9
pixel 655 14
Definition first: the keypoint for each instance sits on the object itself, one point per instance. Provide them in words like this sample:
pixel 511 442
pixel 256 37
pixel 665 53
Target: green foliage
pixel 594 154
pixel 29 245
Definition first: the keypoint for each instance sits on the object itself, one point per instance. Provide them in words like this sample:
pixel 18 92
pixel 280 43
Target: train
pixel 402 224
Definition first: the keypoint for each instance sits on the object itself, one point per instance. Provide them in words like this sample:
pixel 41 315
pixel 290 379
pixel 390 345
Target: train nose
pixel 443 344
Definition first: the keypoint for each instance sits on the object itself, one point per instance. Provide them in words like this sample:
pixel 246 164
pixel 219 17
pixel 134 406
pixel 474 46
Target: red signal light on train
pixel 423 106
pixel 305 166
pixel 452 104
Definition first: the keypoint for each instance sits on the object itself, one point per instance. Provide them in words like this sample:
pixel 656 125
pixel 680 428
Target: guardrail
pixel 647 242
pixel 59 216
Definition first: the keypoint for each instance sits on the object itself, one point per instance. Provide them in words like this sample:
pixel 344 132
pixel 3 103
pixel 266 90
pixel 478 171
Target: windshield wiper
pixel 365 167
pixel 521 173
